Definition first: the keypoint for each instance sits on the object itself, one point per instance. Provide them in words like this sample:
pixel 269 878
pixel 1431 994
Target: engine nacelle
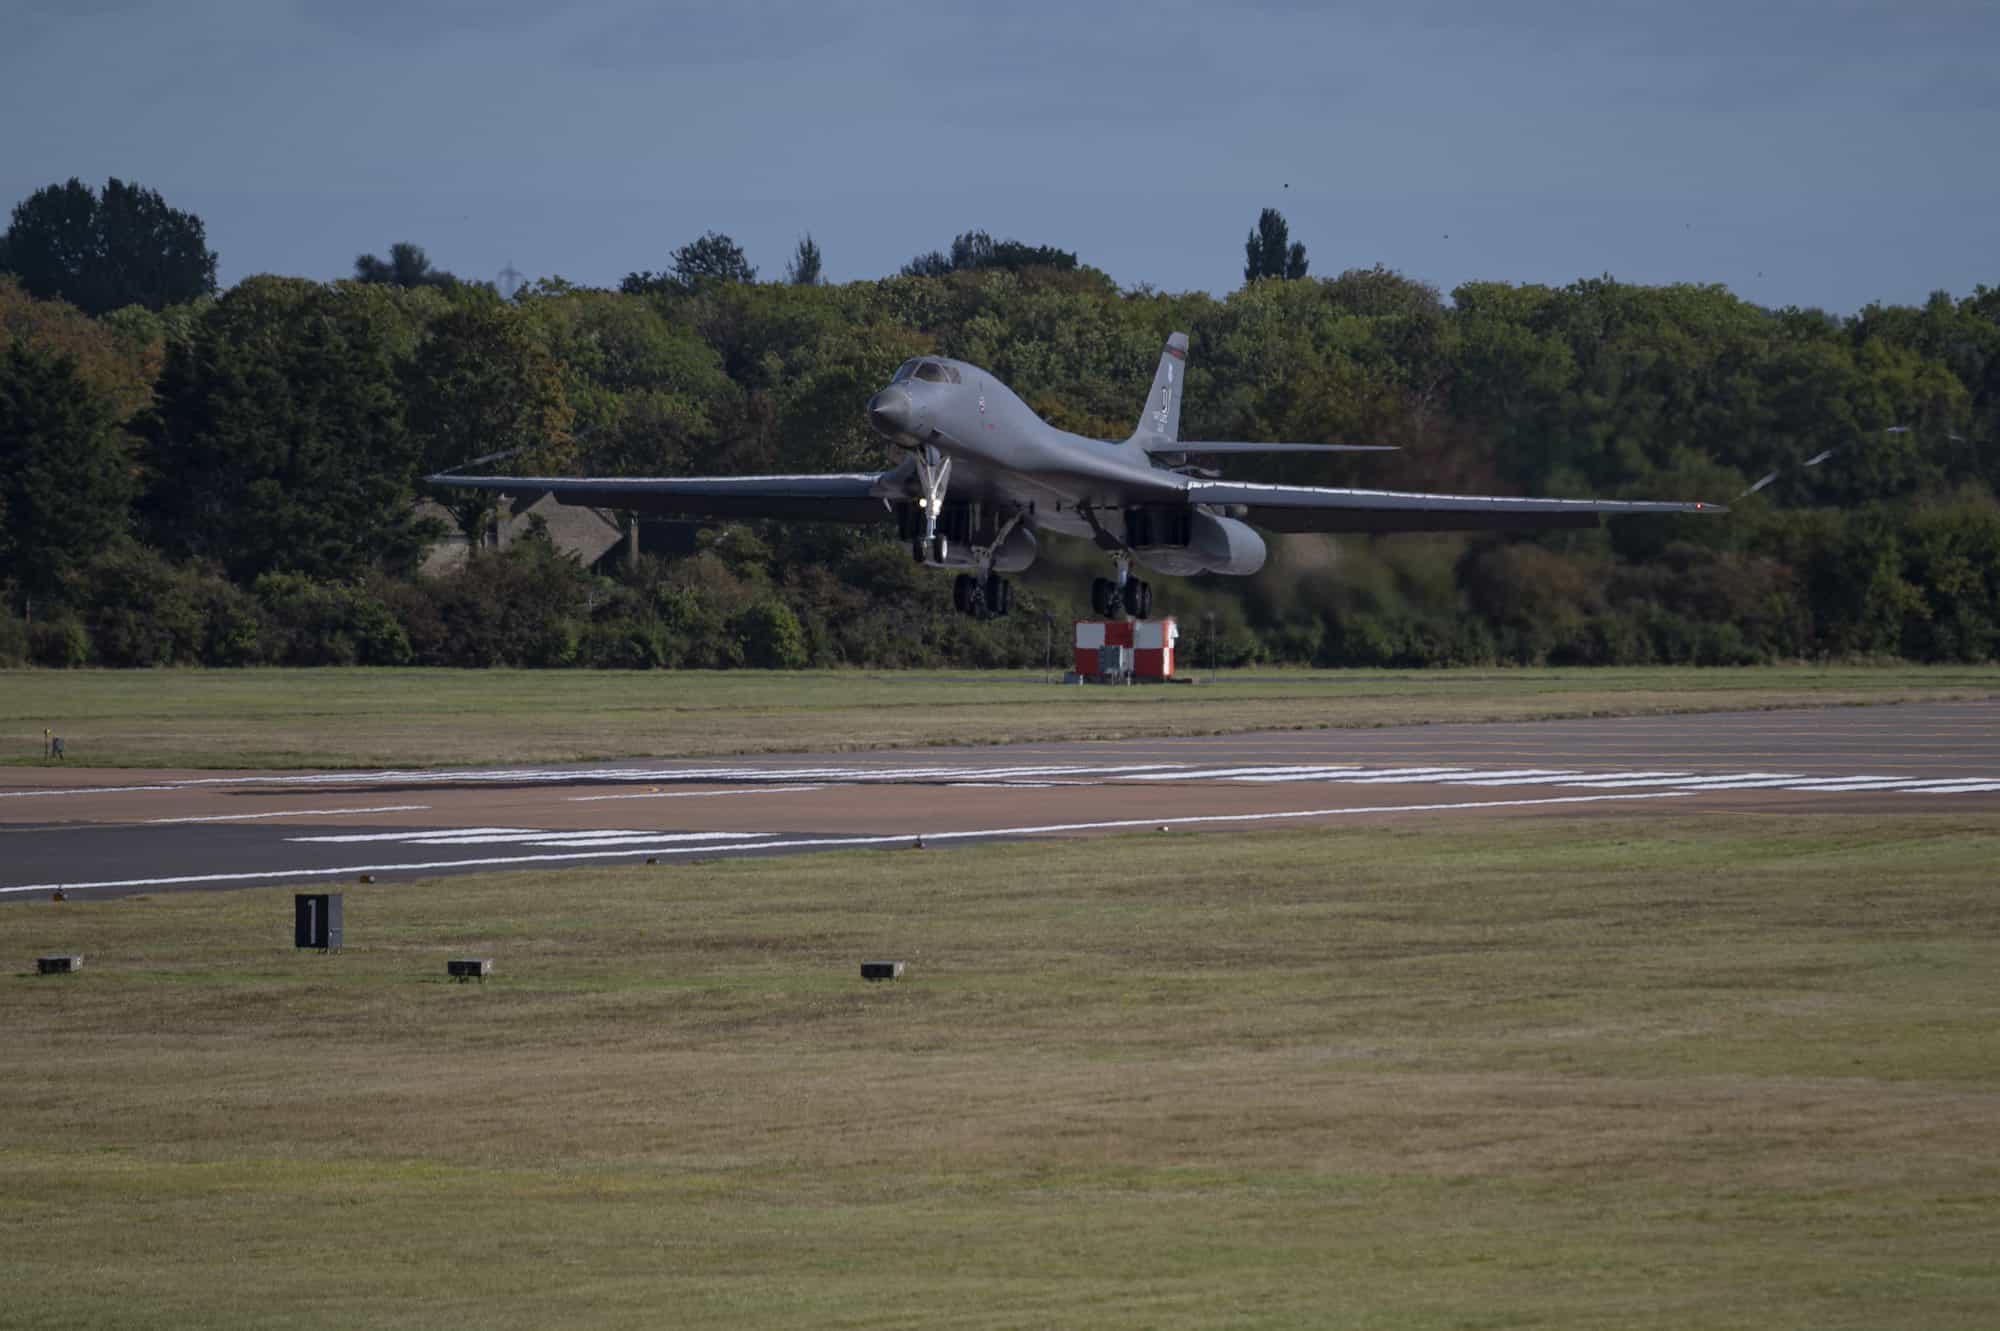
pixel 1213 545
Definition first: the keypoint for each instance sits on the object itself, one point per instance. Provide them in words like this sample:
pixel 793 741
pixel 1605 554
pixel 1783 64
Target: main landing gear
pixel 966 535
pixel 984 594
pixel 1124 595
pixel 983 598
pixel 1108 600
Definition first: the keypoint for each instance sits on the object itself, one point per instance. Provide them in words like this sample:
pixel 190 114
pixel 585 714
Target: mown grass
pixel 1710 1071
pixel 372 718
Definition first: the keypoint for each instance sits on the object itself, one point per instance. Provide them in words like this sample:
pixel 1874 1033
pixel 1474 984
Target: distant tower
pixel 510 280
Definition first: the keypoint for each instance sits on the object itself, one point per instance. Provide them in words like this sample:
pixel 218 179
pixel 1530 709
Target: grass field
pixel 371 718
pixel 1719 1072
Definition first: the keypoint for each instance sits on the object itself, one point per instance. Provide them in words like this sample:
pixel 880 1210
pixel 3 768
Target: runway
pixel 97 832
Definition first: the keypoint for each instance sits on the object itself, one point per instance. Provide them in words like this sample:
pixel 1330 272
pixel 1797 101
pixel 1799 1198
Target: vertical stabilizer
pixel 1161 421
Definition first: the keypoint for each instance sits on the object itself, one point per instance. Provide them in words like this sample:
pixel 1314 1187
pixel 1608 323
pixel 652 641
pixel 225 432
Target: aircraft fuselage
pixel 1007 459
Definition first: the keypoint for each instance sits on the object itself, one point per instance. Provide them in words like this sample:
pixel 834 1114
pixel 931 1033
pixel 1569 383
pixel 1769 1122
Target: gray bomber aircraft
pixel 983 476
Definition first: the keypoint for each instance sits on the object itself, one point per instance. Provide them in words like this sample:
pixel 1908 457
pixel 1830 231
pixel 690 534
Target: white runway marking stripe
pixel 352 838
pixel 286 875
pixel 1751 780
pixel 603 775
pixel 494 836
pixel 1683 780
pixel 865 775
pixel 1689 782
pixel 1556 779
pixel 1506 777
pixel 1354 776
pixel 691 794
pixel 1442 775
pixel 1219 773
pixel 760 780
pixel 289 813
pixel 1889 783
pixel 80 790
pixel 817 843
pixel 560 840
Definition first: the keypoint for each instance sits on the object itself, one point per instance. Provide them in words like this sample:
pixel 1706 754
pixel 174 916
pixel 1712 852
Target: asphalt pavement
pixel 102 832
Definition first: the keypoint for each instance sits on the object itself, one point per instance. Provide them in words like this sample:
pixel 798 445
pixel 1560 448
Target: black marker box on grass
pixel 316 920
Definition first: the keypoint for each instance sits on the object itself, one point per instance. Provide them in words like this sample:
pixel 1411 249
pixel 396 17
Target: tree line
pixel 229 477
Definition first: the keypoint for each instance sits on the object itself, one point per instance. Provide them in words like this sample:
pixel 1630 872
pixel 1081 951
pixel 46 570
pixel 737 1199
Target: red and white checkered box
pixel 1151 641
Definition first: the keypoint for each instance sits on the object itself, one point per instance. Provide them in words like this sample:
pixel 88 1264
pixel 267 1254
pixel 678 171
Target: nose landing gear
pixel 934 476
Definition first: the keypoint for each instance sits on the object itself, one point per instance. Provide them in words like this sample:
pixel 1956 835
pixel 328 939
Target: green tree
pixel 101 253
pixel 712 258
pixel 407 266
pixel 639 382
pixel 279 440
pixel 139 610
pixel 804 269
pixel 117 356
pixel 1271 252
pixel 65 470
pixel 770 636
pixel 1015 256
pixel 312 624
pixel 934 263
pixel 481 385
pixel 977 251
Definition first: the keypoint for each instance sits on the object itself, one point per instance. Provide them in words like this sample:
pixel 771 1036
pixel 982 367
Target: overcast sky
pixel 1824 153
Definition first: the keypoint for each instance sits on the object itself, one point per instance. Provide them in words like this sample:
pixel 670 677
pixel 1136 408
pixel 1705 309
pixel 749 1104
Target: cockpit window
pixel 904 371
pixel 935 373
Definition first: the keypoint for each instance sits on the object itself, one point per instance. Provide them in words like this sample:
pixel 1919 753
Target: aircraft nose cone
pixel 891 412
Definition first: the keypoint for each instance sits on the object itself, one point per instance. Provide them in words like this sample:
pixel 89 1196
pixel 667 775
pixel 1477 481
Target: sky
pixel 1824 154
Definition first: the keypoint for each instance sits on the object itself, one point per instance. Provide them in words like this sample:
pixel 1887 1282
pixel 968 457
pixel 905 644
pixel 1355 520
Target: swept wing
pixel 842 497
pixel 1304 508
pixel 1169 448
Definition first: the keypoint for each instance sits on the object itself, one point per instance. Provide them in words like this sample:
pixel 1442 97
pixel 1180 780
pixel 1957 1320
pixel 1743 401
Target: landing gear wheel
pixel 999 595
pixel 918 550
pixel 1109 600
pixel 939 549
